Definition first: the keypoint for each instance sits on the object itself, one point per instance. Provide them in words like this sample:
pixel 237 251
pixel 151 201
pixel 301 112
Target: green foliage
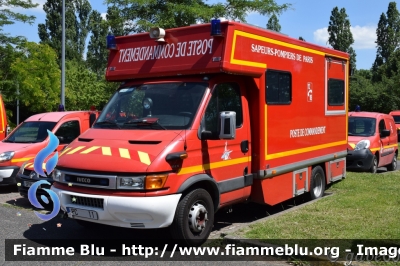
pixel 83 88
pixel 388 38
pixel 36 76
pixel 76 27
pixel 97 54
pixel 142 15
pixel 340 36
pixel 273 23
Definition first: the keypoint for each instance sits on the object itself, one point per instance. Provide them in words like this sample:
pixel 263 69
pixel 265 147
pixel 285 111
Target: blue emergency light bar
pixel 111 44
pixel 215 27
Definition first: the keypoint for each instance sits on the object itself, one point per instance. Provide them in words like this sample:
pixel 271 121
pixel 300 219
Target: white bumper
pixel 131 212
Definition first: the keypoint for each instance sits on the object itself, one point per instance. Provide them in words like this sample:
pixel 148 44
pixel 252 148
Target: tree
pixel 76 27
pixel 9 17
pixel 97 54
pixel 273 23
pixel 83 88
pixel 140 16
pixel 38 76
pixel 340 36
pixel 388 39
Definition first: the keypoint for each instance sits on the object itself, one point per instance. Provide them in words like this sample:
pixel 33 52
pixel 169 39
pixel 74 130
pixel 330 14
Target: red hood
pixel 116 150
pixel 23 151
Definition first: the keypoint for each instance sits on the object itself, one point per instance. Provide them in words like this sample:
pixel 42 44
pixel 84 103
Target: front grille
pixel 90 202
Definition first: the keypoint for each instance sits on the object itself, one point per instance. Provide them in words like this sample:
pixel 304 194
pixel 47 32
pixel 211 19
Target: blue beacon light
pixel 215 27
pixel 111 44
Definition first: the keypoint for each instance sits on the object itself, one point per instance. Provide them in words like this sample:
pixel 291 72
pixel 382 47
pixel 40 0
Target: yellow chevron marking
pixel 76 149
pixel 90 149
pixel 144 157
pixel 352 145
pixel 106 151
pixel 124 153
pixel 64 151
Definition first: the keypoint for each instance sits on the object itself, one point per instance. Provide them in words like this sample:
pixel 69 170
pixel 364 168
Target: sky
pixel 306 18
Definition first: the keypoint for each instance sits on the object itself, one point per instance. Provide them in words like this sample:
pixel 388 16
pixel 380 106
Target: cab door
pixel 227 160
pixel 385 157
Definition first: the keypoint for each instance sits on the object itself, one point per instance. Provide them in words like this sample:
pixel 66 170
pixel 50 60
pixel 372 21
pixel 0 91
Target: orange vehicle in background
pixel 26 140
pixel 396 117
pixel 4 127
pixel 372 142
pixel 207 116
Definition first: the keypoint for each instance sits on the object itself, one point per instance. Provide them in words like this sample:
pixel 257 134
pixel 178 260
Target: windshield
pixel 396 119
pixel 362 126
pixel 161 106
pixel 30 132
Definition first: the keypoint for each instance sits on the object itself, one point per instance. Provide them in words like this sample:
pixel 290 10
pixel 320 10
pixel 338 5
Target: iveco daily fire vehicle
pixel 207 116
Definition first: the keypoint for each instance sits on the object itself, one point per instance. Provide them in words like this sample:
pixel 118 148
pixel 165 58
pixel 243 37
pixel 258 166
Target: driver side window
pixel 225 97
pixel 68 132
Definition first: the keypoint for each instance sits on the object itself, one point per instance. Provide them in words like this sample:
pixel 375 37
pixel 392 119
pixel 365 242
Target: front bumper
pixel 130 212
pixel 360 160
pixel 23 190
pixel 8 174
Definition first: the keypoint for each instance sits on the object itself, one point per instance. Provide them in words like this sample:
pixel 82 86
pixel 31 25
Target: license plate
pixel 29 184
pixel 73 212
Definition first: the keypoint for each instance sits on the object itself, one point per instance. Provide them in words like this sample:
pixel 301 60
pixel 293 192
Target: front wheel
pixel 393 165
pixel 194 218
pixel 317 183
pixel 374 166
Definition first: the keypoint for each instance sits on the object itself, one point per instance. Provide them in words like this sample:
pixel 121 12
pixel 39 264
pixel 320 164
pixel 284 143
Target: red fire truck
pixel 207 116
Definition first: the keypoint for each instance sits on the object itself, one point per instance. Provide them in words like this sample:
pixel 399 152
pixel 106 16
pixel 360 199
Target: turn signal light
pixel 155 181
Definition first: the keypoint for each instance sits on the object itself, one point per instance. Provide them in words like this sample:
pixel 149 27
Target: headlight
pixel 149 182
pixel 362 144
pixel 130 182
pixel 6 156
pixel 56 175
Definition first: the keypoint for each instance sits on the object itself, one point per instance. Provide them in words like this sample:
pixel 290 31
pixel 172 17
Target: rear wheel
pixel 317 183
pixel 374 166
pixel 194 218
pixel 393 165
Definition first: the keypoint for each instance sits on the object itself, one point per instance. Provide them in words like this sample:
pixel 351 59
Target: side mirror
pixel 385 133
pixel 227 128
pixel 92 118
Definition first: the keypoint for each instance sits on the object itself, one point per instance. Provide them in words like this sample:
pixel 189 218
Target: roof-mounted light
pixel 111 44
pixel 216 26
pixel 157 33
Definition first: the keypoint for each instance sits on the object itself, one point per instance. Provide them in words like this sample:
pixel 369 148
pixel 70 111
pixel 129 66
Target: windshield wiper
pixel 145 122
pixel 108 122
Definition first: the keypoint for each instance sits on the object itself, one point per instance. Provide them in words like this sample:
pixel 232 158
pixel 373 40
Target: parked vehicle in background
pixel 372 141
pixel 26 140
pixel 396 117
pixel 4 127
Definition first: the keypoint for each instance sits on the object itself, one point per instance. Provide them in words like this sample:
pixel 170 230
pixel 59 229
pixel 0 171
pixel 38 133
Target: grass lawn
pixel 364 206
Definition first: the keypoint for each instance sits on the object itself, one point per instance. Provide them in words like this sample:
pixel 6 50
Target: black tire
pixel 185 228
pixel 393 165
pixel 374 166
pixel 317 188
pixel 87 224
